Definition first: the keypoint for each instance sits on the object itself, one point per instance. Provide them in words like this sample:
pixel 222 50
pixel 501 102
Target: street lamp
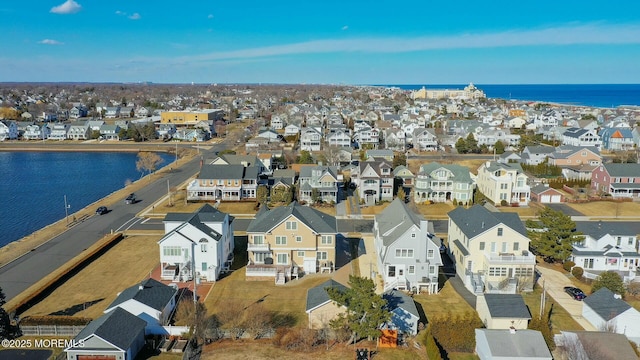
pixel 66 210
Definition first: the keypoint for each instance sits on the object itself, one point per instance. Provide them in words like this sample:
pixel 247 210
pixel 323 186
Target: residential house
pixel 581 137
pixel 374 180
pixel 490 136
pixel 115 335
pixel 291 130
pixel 490 250
pixel 601 345
pixel 193 134
pixel 515 122
pixel 544 194
pixel 37 132
pixel 443 182
pixel 404 176
pixel 608 246
pixel 373 154
pixel 287 240
pixel 534 155
pixel 407 251
pixel 503 311
pixel 166 131
pixel 404 313
pixel 310 139
pixel 112 112
pixel 277 122
pixel 320 308
pixel 395 139
pixel 142 111
pixel 424 139
pixel 619 180
pixel 509 157
pixel 616 139
pixel 493 344
pixel 224 182
pixel 95 125
pixel 503 183
pixel 78 111
pixel 110 132
pixel 78 132
pixel 244 160
pixel 196 244
pixel 150 300
pixel 339 138
pixel 367 138
pixel 269 134
pixel 607 311
pixel 8 130
pixel 322 182
pixel 126 112
pixel 59 131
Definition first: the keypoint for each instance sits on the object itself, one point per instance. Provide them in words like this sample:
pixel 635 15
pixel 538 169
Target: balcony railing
pixel 259 247
pixel 528 259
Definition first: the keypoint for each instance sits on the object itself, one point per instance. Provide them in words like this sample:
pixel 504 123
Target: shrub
pixel 455 202
pixel 567 265
pixel 504 203
pixel 577 272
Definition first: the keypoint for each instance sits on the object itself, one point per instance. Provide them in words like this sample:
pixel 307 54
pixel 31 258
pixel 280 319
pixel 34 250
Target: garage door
pixel 545 199
pixel 96 357
pixel 555 199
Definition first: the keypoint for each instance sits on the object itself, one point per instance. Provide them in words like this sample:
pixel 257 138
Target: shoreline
pixel 17 146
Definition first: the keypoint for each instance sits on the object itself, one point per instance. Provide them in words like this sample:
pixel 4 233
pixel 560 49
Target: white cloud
pixel 118 12
pixel 135 16
pixel 68 7
pixel 50 42
pixel 345 27
pixel 556 36
pixel 210 16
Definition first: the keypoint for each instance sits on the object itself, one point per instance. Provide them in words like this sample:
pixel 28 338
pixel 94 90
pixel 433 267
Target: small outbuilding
pixel 512 344
pixel 503 311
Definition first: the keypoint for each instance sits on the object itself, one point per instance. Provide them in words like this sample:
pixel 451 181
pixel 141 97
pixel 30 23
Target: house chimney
pixel 140 287
pixel 512 330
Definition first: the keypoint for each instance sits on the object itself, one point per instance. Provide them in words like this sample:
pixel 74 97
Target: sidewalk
pixel 554 282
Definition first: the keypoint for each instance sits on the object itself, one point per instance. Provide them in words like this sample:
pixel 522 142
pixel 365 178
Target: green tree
pixel 7 331
pixel 315 196
pixel 122 134
pixel 399 158
pixel 543 324
pixel 553 235
pixel 366 310
pixel 95 134
pixel 305 157
pixel 610 280
pixel 461 146
pixel 499 147
pixel 401 194
pixel 472 144
pixel 262 193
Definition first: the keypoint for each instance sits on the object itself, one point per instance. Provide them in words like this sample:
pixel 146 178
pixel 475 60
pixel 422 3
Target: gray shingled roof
pixel 149 292
pixel 318 221
pixel 477 219
pixel 598 229
pixel 118 327
pixel 605 304
pixel 494 166
pixel 623 170
pixel 222 172
pixel 206 214
pixel 521 344
pixel 395 220
pixel 318 295
pixel 398 299
pixel 507 306
pixel 460 173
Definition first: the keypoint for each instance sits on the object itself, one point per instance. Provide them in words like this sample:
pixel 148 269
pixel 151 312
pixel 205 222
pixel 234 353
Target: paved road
pixel 17 276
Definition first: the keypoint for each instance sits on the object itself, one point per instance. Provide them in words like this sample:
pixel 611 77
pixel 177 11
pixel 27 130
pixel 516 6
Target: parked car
pixel 101 210
pixel 131 199
pixel 575 293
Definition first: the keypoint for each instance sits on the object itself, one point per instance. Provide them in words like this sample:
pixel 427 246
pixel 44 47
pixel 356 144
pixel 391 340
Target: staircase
pixel 280 278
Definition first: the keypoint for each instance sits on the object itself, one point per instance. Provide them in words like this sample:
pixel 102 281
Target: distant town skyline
pixel 347 42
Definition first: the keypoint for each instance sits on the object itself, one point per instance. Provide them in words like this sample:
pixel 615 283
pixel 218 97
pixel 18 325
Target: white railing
pixel 259 247
pixel 511 259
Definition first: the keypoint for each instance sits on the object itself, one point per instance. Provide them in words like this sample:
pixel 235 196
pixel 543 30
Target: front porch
pixel 176 272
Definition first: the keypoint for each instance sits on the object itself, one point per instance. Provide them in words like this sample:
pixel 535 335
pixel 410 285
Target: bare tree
pixel 148 162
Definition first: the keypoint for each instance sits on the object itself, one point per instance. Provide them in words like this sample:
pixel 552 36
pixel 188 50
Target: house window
pixel 503 196
pixel 430 253
pixel 171 251
pixel 499 231
pixel 630 241
pixel 618 240
pixel 412 269
pixel 504 246
pixel 281 240
pixel 259 257
pixel 258 239
pixel 283 259
pixel 292 225
pixel 404 253
pixel 204 266
pixel 503 186
pixel 300 253
pixel 588 263
pixel 516 246
pixel 391 272
pixel 481 245
pixel 493 246
pixel 298 238
pixel 321 255
pixel 203 248
pixel 326 240
pixel 413 235
pixel 432 269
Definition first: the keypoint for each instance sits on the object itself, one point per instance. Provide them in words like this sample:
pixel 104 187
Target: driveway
pixel 565 209
pixel 554 282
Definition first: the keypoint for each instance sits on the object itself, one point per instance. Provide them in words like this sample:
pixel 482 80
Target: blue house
pixel 616 138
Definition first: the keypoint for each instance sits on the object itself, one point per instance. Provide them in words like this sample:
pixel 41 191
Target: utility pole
pixel 66 210
pixel 169 192
pixel 176 153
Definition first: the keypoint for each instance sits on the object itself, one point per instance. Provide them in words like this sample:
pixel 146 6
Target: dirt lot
pixel 89 292
pixel 608 209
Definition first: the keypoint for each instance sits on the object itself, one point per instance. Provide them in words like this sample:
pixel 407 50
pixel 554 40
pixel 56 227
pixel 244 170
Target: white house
pixel 607 311
pixel 199 244
pixel 404 313
pixel 8 130
pixel 581 137
pixel 291 130
pixel 503 182
pixel 407 251
pixel 59 131
pixel 310 139
pixel 511 345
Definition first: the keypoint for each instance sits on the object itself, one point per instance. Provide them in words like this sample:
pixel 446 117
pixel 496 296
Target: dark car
pixel 131 199
pixel 575 293
pixel 101 210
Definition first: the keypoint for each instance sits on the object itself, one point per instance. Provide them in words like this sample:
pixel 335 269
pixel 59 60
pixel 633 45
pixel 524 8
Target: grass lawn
pixel 448 301
pixel 608 208
pixel 91 290
pixel 289 299
pixel 435 211
pixel 560 319
pixel 463 356
pixel 373 210
pixel 529 211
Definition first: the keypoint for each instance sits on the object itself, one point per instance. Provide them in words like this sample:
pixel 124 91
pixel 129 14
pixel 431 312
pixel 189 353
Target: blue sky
pixel 350 42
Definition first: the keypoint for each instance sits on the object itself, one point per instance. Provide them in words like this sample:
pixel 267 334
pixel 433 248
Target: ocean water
pixel 34 184
pixel 596 95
